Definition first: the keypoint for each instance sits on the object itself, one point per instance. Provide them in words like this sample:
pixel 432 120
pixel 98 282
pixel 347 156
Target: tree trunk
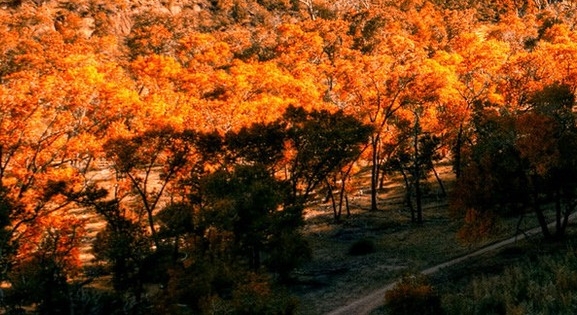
pixel 417 173
pixel 342 194
pixel 153 233
pixel 418 200
pixel 310 8
pixel 382 178
pixel 540 216
pixel 408 195
pixel 347 206
pixel 331 196
pixel 458 147
pixel 374 172
pixel 440 181
pixel 558 211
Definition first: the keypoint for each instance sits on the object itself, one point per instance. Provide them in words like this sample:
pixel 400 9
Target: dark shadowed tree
pixel 524 160
pixel 151 162
pixel 414 158
pixel 323 143
pixel 547 142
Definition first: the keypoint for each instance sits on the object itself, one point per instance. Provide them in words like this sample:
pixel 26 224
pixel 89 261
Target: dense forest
pixel 198 132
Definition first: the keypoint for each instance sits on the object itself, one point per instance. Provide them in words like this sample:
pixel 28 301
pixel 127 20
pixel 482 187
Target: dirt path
pixel 374 300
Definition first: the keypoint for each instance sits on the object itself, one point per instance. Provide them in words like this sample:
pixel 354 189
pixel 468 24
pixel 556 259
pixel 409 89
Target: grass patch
pixel 532 277
pixel 399 246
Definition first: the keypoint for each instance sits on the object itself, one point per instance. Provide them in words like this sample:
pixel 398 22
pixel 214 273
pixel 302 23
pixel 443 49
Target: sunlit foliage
pixel 196 131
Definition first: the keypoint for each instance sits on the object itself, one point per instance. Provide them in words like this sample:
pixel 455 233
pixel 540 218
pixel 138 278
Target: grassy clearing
pixel 334 277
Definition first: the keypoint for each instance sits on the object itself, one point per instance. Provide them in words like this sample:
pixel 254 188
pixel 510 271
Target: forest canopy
pixel 197 131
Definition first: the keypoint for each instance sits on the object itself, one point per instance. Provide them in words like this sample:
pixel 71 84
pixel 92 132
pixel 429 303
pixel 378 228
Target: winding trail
pixel 374 300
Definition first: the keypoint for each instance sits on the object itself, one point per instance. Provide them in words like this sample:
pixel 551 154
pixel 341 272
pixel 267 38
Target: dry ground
pixel 334 278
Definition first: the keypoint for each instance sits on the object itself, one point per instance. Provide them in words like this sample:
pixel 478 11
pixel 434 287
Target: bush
pixel 362 247
pixel 413 295
pixel 257 296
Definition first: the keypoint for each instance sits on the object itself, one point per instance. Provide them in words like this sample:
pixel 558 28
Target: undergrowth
pixel 542 285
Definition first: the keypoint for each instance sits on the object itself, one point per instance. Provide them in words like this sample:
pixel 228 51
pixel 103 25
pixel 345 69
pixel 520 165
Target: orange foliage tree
pixel 58 100
pixel 91 89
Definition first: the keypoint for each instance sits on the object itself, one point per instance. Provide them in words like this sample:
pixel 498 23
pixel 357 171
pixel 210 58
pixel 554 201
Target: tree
pixel 258 144
pixel 322 143
pixel 123 242
pixel 477 63
pixel 414 158
pixel 176 221
pixel 523 159
pixel 150 163
pixel 493 182
pixel 56 99
pixel 246 201
pixel 419 129
pixel 42 274
pixel 382 78
pixel 547 141
pixel 7 247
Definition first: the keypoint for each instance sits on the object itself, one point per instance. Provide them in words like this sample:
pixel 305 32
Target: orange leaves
pixel 478 225
pixel 57 99
pixel 550 60
pixel 514 30
pixel 535 142
pixel 481 56
pixel 156 66
pixel 200 51
pixel 158 75
pixel 59 241
pixel 151 37
pixel 229 64
pixel 558 54
pixel 83 68
pixel 298 45
pixel 245 93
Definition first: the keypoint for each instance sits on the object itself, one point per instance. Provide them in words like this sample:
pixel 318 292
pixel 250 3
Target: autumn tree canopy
pixel 197 131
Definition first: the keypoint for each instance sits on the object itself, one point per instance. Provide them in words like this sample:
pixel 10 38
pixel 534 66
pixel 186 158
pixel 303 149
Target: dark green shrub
pixel 362 247
pixel 413 295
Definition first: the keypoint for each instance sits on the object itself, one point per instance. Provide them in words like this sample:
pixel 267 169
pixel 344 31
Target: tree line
pixel 198 132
